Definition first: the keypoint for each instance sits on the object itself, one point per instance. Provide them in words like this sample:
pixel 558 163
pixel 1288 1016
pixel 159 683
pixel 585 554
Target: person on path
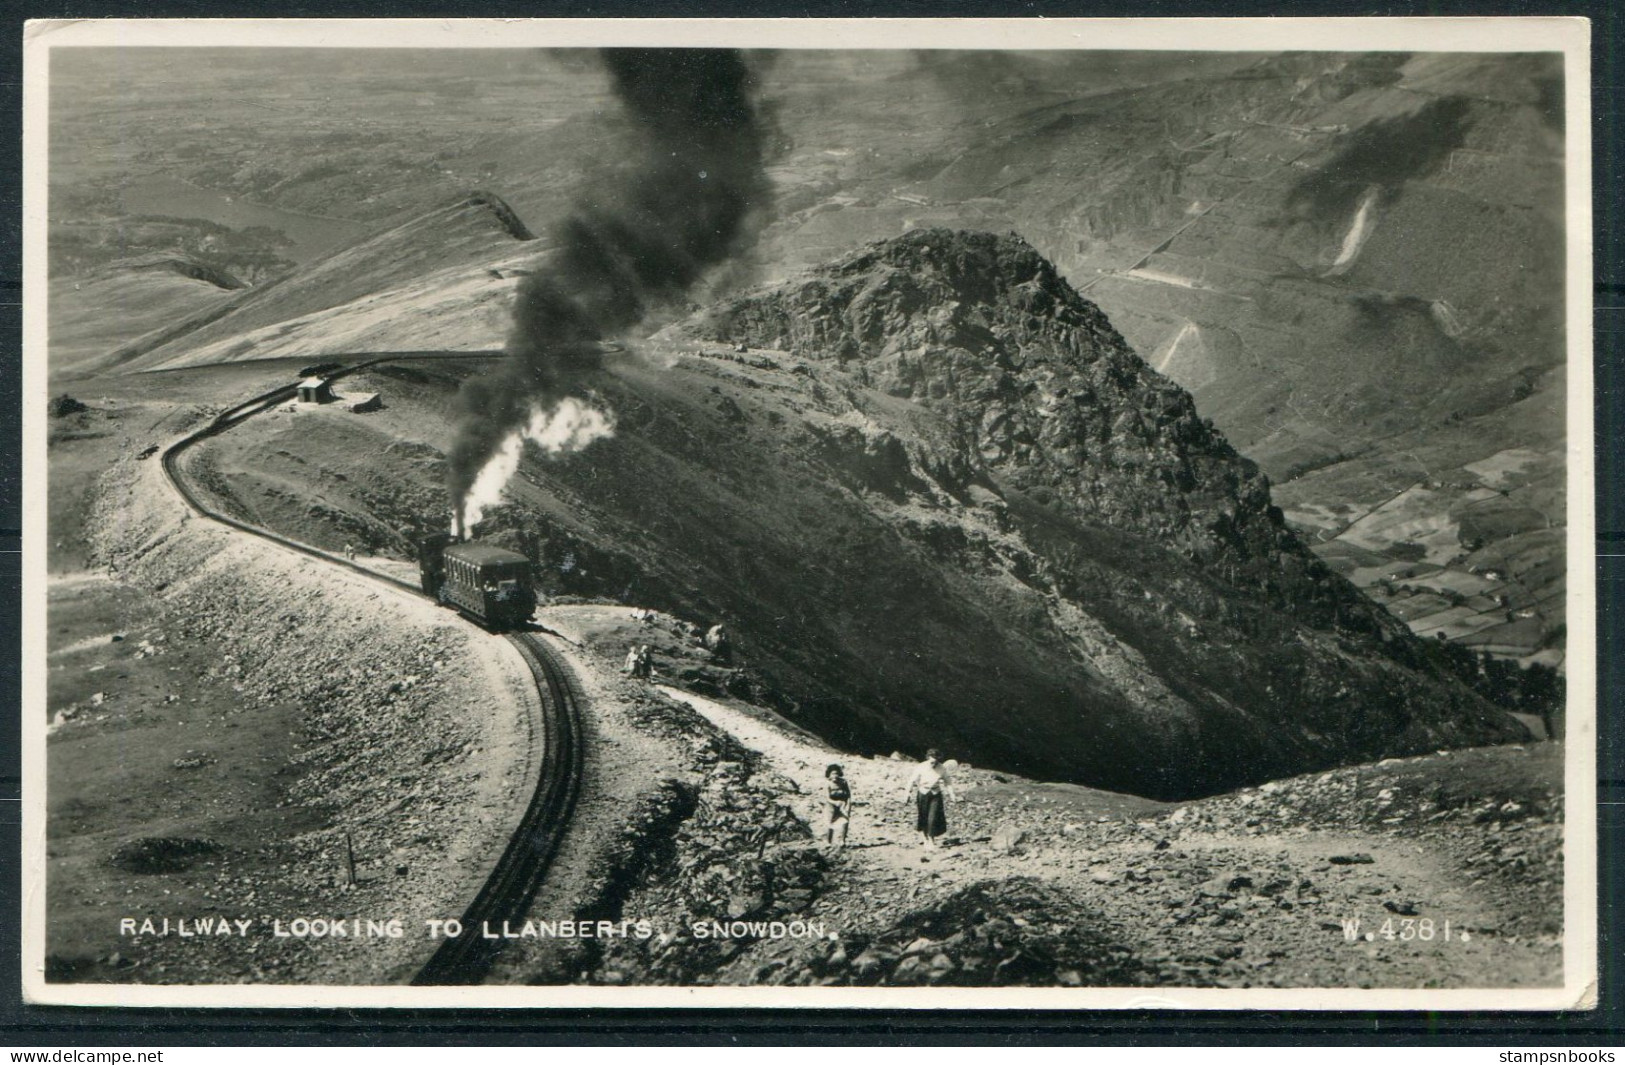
pixel 927 786
pixel 716 640
pixel 840 806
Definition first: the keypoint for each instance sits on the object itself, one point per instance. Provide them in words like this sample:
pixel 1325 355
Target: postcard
pixel 834 513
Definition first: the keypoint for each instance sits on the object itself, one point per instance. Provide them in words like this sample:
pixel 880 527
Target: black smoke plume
pixel 643 239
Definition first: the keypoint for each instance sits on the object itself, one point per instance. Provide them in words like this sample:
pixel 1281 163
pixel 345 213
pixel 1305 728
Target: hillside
pixel 1322 248
pixel 249 780
pixel 440 280
pixel 93 315
pixel 946 505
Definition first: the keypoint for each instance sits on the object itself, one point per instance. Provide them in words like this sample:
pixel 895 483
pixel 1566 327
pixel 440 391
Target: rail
pixel 512 885
pixel 514 880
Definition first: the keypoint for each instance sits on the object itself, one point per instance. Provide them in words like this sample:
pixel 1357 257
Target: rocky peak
pixel 1046 398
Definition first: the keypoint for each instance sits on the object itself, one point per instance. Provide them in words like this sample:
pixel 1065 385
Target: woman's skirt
pixel 932 819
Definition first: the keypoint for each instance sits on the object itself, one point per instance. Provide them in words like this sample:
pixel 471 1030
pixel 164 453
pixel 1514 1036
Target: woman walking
pixel 926 787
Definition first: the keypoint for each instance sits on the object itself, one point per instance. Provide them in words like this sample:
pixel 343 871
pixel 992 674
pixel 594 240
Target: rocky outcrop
pixel 1215 648
pixel 938 501
pixel 738 854
pixel 1047 400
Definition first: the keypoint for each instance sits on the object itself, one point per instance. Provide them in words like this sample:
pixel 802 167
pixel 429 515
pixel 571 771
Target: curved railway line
pixel 513 881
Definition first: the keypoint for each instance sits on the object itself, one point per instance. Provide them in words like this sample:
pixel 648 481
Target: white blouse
pixel 928 778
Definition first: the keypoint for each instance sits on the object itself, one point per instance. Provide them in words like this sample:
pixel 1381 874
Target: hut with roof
pixel 315 390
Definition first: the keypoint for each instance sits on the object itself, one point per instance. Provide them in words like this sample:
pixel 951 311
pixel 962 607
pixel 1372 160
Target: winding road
pixel 519 870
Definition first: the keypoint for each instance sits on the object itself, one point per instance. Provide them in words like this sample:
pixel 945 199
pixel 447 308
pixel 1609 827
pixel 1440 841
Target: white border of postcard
pixel 1570 36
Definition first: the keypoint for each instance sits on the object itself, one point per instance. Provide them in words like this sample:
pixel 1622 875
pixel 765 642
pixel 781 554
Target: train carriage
pixel 489 584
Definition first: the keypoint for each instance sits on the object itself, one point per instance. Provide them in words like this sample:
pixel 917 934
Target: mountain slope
pixel 1353 261
pixel 1399 216
pixel 1107 476
pixel 939 502
pixel 92 315
pixel 440 280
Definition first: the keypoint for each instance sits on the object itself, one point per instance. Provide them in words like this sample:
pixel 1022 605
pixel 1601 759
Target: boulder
pixel 1007 838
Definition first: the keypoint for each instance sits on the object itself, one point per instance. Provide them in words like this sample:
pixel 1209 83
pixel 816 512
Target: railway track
pixel 511 887
pixel 514 880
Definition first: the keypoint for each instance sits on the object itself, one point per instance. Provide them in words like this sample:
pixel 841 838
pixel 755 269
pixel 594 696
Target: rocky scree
pixel 740 853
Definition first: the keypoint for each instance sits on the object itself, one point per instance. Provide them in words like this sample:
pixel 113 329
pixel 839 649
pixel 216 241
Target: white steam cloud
pixel 568 425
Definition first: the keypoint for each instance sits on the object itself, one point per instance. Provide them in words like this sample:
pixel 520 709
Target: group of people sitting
pixel 639 664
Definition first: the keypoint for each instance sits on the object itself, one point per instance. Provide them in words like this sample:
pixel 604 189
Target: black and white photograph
pixel 924 514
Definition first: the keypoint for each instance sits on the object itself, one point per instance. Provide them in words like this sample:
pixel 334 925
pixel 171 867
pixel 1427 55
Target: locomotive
pixel 487 584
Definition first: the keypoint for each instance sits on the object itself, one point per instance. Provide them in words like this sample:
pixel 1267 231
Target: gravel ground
pixel 1060 885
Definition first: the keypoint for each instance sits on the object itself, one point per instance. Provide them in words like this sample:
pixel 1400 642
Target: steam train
pixel 487 584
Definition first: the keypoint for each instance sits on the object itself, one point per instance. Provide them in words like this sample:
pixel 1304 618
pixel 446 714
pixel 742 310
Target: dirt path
pixel 1200 894
pixel 882 838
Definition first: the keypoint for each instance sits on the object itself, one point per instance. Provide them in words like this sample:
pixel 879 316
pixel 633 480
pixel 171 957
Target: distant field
pixel 1464 555
pixel 1413 517
pixel 1509 468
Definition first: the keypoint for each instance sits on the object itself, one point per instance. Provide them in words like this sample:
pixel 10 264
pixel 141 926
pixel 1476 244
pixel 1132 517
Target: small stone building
pixel 319 391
